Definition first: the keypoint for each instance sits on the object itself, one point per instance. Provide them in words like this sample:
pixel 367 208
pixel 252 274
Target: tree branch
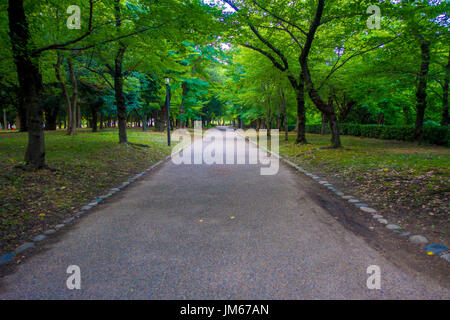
pixel 118 38
pixel 334 69
pixel 62 45
pixel 100 74
pixel 267 54
pixel 280 18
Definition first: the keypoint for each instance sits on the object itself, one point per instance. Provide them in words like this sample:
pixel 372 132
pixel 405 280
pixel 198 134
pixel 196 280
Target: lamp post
pixel 168 109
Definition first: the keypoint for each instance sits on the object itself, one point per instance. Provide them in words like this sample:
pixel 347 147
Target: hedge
pixel 431 134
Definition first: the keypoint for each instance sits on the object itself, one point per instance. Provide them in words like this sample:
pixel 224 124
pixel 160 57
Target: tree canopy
pixel 262 63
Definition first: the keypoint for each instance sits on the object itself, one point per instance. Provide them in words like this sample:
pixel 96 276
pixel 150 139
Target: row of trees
pixel 110 70
pixel 262 63
pixel 323 56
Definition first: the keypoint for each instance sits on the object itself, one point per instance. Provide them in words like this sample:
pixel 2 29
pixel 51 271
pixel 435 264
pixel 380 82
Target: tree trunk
pixel 421 94
pixel 324 120
pixel 22 113
pixel 30 81
pixel 335 134
pixel 268 119
pixel 101 120
pixel 50 119
pixel 144 122
pixel 65 92
pixel 185 88
pixel 70 102
pixel 334 124
pixel 73 100
pixel 328 109
pixel 94 120
pixel 78 106
pixel 118 82
pixel 285 117
pixel 301 113
pixel 445 94
pixel 162 123
pixel 299 89
pixel 157 121
pixel 120 99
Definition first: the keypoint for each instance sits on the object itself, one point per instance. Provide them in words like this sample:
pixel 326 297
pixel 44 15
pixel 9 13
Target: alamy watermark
pixel 227 147
pixel 374 21
pixel 74 21
pixel 74 280
pixel 374 280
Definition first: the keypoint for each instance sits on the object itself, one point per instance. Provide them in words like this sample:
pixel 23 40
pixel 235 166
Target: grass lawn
pixel 410 184
pixel 88 165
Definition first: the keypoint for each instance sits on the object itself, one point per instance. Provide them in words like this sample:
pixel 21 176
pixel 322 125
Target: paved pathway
pixel 149 243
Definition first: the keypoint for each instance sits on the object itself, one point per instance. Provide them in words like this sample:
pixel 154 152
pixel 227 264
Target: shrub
pixel 405 133
pixel 437 135
pixel 371 130
pixel 316 128
pixel 350 129
pixel 431 133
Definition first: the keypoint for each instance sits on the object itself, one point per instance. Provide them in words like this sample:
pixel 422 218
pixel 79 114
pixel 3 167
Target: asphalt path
pixel 212 232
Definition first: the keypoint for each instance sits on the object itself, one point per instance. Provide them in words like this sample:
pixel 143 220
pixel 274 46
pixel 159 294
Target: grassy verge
pixel 88 164
pixel 409 183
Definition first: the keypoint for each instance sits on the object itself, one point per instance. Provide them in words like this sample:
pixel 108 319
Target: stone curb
pixel 351 199
pixel 9 257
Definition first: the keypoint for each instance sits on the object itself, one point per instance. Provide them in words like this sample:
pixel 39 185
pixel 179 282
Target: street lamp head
pixel 167 80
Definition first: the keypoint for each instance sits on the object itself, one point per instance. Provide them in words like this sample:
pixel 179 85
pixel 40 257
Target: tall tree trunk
pixel 65 92
pixel 30 81
pixel 144 122
pixel 73 100
pixel 94 120
pixel 50 119
pixel 285 117
pixel 334 125
pixel 185 88
pixel 421 94
pixel 78 115
pixel 445 94
pixel 301 112
pixel 162 124
pixel 324 120
pixel 328 109
pixel 101 120
pixel 158 120
pixel 268 122
pixel 118 81
pixel 120 99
